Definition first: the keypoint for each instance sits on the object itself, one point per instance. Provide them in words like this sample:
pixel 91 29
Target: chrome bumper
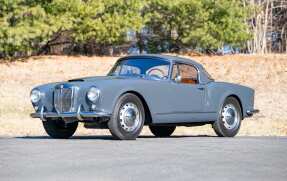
pixel 251 112
pixel 79 114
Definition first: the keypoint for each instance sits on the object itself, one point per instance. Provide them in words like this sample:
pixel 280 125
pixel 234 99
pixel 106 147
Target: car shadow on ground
pixel 108 137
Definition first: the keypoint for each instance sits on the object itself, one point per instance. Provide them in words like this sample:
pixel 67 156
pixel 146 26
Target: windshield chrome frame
pixel 148 58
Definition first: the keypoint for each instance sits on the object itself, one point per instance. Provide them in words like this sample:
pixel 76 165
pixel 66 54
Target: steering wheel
pixel 155 71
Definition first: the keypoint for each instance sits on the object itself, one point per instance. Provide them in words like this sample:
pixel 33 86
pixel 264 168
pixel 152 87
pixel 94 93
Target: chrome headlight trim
pixel 93 94
pixel 35 96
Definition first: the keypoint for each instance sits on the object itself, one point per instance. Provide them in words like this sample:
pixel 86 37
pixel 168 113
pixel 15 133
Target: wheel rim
pixel 230 116
pixel 129 117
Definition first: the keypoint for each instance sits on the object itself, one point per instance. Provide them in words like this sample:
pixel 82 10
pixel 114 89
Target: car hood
pixel 99 78
pixel 88 81
pixel 98 81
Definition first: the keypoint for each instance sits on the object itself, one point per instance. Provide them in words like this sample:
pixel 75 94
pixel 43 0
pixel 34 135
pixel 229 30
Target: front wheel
pixel 229 121
pixel 128 118
pixel 59 129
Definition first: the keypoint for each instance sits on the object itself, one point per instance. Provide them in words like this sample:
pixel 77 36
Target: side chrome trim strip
pixel 184 113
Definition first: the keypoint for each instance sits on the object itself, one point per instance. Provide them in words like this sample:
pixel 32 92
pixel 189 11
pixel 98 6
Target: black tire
pixel 162 131
pixel 58 129
pixel 219 126
pixel 115 123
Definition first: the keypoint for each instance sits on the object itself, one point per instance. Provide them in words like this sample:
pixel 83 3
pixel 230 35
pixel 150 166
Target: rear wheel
pixel 162 131
pixel 229 121
pixel 59 129
pixel 128 118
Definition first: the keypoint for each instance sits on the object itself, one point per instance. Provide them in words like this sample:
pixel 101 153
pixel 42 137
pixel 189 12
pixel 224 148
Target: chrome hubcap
pixel 230 116
pixel 129 117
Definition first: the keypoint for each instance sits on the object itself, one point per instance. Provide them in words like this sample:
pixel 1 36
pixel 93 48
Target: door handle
pixel 200 88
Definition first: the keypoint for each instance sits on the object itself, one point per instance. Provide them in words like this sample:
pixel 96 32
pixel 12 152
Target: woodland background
pixel 116 27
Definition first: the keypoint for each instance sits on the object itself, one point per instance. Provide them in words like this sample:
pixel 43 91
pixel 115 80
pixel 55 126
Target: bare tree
pixel 268 26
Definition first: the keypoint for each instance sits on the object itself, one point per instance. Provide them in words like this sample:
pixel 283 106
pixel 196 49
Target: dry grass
pixel 266 74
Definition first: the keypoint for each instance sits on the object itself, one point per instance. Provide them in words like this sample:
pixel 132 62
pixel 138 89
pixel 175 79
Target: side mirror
pixel 177 79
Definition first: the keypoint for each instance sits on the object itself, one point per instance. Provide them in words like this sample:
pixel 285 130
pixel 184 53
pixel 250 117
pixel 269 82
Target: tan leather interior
pixel 188 81
pixel 188 73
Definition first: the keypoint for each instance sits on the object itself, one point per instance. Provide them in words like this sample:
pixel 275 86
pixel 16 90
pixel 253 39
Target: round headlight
pixel 93 94
pixel 35 96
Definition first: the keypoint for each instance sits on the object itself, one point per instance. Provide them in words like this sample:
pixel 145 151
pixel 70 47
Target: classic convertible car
pixel 155 90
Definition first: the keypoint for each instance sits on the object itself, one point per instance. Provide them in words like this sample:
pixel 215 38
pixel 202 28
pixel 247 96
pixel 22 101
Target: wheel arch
pixel 238 100
pixel 148 118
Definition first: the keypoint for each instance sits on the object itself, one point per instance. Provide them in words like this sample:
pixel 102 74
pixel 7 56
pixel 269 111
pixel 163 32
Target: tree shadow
pixel 109 137
pixel 98 137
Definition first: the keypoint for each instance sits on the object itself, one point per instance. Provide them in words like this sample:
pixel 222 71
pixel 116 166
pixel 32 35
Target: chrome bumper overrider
pixel 79 114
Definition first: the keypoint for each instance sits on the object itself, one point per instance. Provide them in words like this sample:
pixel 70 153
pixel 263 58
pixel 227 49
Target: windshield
pixel 154 68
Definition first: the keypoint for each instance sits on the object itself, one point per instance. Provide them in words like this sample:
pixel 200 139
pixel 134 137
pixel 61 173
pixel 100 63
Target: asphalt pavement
pixel 148 158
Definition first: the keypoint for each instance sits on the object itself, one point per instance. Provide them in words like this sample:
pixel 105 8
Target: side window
pixel 188 73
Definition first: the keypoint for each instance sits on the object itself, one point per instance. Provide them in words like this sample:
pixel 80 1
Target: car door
pixel 188 98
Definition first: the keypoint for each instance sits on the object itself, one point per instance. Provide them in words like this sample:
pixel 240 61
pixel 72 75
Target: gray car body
pixel 165 100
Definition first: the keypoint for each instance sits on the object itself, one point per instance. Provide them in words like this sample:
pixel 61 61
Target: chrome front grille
pixel 64 98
